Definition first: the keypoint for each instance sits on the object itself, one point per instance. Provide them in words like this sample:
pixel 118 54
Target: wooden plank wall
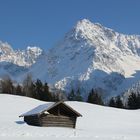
pixel 60 121
pixel 51 120
pixel 32 120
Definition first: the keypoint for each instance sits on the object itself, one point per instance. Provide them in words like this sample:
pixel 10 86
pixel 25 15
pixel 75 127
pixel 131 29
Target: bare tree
pixel 7 85
pixel 28 86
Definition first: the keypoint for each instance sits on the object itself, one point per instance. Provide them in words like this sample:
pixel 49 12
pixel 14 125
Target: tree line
pixel 41 91
pixel 28 88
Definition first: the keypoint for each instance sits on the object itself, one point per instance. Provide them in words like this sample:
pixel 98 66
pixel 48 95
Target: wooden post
pixel 58 111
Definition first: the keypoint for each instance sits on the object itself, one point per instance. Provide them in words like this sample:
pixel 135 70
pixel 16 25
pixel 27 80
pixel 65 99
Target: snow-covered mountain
pixel 17 62
pixel 89 56
pixel 92 56
pixel 19 57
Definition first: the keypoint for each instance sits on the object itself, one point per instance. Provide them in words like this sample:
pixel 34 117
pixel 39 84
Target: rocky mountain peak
pixel 90 56
pixel 5 48
pixel 19 57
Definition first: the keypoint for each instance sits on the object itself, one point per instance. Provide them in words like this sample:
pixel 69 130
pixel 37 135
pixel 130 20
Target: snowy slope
pixel 97 123
pixel 92 56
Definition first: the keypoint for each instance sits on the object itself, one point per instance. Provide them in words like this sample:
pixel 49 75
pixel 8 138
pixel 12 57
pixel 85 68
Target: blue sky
pixel 45 22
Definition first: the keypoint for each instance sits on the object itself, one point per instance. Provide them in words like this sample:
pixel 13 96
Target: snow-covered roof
pixel 37 110
pixel 45 107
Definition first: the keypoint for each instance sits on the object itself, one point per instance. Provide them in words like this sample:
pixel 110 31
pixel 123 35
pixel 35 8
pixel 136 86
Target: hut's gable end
pixel 62 109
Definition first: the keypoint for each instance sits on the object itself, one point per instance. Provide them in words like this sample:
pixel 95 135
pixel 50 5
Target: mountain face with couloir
pixel 89 56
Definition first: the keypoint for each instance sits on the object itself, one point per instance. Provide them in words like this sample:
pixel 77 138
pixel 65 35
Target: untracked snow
pixel 96 123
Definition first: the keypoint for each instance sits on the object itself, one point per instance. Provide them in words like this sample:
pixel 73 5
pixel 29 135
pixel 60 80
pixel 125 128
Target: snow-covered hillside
pixel 97 122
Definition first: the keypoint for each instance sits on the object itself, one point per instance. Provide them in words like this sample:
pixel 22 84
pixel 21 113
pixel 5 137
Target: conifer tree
pixel 91 96
pixel 119 103
pixel 112 102
pixel 18 90
pixel 47 96
pixel 39 89
pixel 71 96
pixel 78 96
pixel 7 85
pixel 94 98
pixel 134 101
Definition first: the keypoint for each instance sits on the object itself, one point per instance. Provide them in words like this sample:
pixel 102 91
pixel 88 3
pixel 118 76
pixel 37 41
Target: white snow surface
pixel 96 123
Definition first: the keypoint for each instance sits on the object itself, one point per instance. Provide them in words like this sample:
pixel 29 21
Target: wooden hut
pixel 52 114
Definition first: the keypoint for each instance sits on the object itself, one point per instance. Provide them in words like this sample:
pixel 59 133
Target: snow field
pixel 97 122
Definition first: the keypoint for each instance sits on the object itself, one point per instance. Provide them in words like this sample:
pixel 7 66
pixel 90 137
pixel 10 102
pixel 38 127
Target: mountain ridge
pixel 18 57
pixel 90 56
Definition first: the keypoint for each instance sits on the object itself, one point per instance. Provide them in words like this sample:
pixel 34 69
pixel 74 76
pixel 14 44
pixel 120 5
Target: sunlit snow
pixel 96 123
